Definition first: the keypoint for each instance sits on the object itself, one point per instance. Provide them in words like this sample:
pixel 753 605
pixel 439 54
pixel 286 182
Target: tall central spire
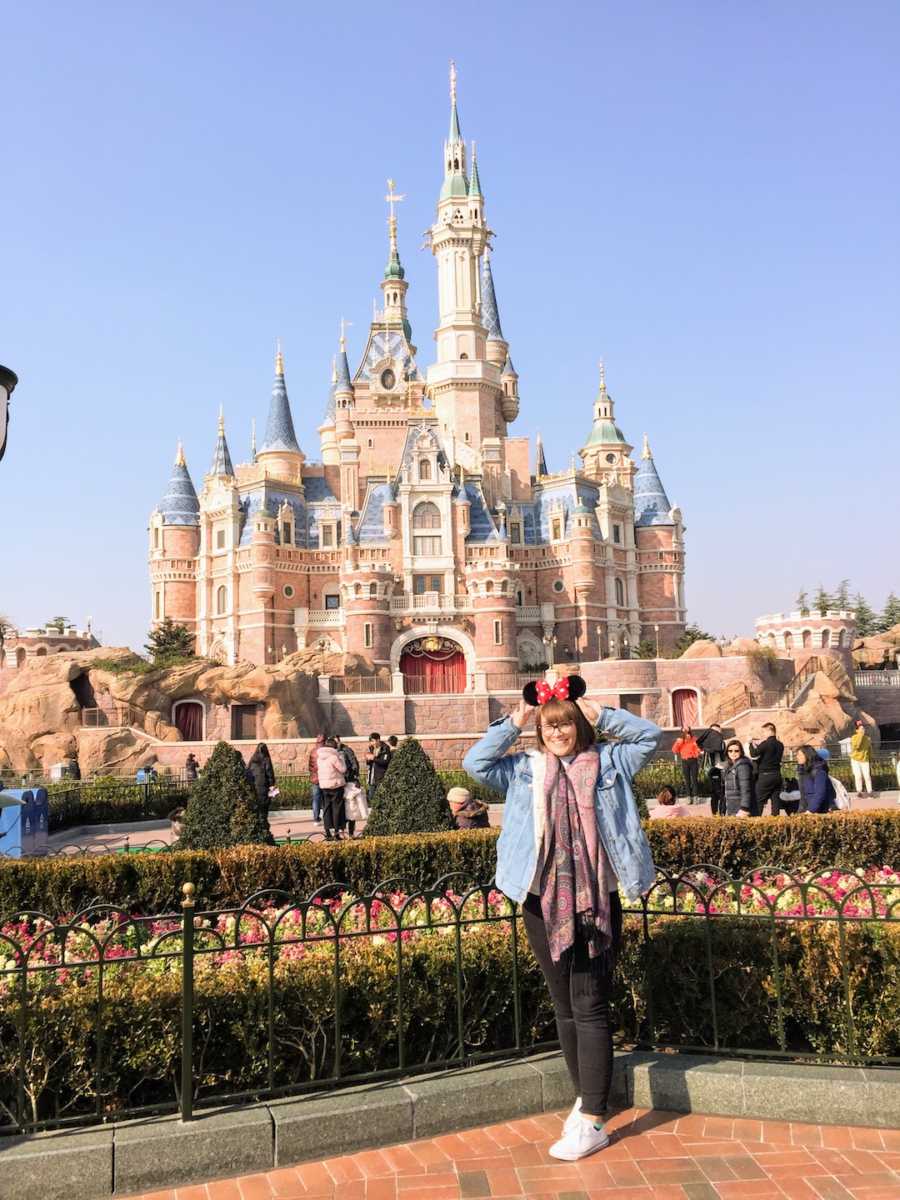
pixel 280 435
pixel 455 181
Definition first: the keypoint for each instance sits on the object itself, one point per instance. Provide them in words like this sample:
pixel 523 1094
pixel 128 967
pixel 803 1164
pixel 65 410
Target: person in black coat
pixel 712 744
pixel 768 755
pixel 261 774
pixel 737 782
pixel 378 759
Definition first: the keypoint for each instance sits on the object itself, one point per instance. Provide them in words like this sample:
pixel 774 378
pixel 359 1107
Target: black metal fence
pixel 107 1014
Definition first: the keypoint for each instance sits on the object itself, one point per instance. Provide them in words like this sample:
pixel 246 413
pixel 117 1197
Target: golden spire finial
pixel 179 455
pixel 645 453
pixel 221 419
pixel 452 81
pixel 279 357
pixel 393 197
pixel 602 376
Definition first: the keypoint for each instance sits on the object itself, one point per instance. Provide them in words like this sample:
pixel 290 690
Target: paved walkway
pixel 652 1156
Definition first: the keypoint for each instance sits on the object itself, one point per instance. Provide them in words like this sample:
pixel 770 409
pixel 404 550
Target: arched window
pixel 826 638
pixel 842 638
pixel 807 638
pixel 20 656
pixel 41 652
pixel 221 598
pixel 620 593
pixel 424 469
pixel 426 516
pixel 373 589
pixel 788 641
pixel 489 586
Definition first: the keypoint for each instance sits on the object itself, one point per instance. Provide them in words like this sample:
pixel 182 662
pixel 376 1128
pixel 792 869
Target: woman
pixel 816 792
pixel 737 782
pixel 571 836
pixel 468 813
pixel 687 748
pixel 332 770
pixel 351 775
pixel 666 806
pixel 262 775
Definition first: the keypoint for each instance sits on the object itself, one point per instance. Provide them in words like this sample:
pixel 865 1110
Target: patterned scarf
pixel 577 873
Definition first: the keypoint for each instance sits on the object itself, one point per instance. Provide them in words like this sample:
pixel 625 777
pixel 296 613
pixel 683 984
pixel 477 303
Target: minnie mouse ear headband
pixel 571 687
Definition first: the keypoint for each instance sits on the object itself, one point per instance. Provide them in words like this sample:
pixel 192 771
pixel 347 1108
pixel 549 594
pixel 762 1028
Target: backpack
pixel 841 799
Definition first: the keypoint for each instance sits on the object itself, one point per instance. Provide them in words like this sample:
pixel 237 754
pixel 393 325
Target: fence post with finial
pixel 187 1001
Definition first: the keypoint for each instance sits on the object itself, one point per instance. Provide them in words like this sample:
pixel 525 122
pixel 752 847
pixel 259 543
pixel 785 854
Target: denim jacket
pixel 521 777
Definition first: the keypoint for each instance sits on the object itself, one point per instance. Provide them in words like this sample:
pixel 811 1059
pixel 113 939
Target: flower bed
pixel 429 979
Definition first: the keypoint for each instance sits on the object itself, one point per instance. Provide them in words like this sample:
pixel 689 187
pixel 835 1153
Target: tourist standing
pixel 687 750
pixel 191 768
pixel 768 754
pixel 332 772
pixel 737 782
pixel 861 759
pixel 714 778
pixel 262 775
pixel 378 759
pixel 571 837
pixel 712 743
pixel 816 792
pixel 315 790
pixel 351 764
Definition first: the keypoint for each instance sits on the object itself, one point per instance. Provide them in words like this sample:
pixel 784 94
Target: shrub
pixel 223 810
pixel 107 800
pixel 410 798
pixel 148 883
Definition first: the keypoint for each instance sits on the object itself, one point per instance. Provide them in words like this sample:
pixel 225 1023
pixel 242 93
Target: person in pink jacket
pixel 332 771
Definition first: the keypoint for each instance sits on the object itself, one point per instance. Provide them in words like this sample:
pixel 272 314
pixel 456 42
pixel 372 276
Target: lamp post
pixel 626 651
pixel 8 381
pixel 656 631
pixel 550 644
pixel 322 645
pixel 599 642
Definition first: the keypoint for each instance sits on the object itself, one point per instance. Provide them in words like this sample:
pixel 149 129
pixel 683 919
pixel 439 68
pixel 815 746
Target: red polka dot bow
pixel 559 691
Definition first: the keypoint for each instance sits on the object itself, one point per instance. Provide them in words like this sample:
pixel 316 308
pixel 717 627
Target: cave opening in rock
pixel 83 691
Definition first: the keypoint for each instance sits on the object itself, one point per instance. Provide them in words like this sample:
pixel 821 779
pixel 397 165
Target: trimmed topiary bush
pixel 411 798
pixel 222 810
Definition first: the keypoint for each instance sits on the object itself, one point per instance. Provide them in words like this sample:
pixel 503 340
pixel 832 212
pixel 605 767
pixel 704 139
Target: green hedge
pixel 150 883
pixel 108 801
pixel 141 1058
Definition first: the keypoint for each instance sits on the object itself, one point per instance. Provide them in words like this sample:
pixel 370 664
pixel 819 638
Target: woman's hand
pixel 521 714
pixel 590 711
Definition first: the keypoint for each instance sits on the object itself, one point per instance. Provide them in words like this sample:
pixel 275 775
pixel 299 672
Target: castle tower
pixel 606 454
pixel 659 537
pixel 280 455
pixel 174 544
pixel 464 382
pixel 394 285
pixel 327 434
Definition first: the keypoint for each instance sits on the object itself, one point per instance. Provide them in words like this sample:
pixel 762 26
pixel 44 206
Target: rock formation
pixel 43 719
pixel 702 648
pixel 874 651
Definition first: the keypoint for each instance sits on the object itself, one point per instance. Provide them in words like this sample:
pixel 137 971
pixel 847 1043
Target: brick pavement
pixel 652 1156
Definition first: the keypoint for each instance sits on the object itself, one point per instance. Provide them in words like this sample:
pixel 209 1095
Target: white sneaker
pixel 579 1141
pixel 574 1115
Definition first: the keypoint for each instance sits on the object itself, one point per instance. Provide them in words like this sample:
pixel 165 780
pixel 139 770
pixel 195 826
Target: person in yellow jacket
pixel 860 756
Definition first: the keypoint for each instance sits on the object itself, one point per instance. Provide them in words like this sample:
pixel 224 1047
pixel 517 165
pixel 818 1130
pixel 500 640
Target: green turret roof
pixel 605 432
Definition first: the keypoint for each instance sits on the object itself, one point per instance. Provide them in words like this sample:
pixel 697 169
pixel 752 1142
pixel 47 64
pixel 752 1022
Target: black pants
pixel 581 1003
pixel 768 787
pixel 717 796
pixel 690 769
pixel 332 810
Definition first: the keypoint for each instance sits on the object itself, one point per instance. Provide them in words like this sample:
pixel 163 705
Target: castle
pixel 427 539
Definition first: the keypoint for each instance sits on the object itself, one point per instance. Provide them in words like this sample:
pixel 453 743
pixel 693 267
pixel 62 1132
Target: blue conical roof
pixel 221 463
pixel 280 433
pixel 343 382
pixel 540 466
pixel 490 314
pixel 651 504
pixel 179 505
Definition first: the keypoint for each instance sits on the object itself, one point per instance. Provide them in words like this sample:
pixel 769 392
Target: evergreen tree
pixel 821 601
pixel 410 797
pixel 646 649
pixel 692 633
pixel 802 602
pixel 222 809
pixel 60 624
pixel 866 620
pixel 891 614
pixel 842 595
pixel 168 643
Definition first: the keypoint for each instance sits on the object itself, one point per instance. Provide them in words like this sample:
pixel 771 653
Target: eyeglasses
pixel 558 727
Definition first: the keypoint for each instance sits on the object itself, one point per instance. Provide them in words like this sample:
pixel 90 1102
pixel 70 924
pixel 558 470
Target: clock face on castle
pixel 384 346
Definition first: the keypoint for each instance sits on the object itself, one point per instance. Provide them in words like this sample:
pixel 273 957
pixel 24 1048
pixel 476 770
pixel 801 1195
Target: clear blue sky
pixel 704 194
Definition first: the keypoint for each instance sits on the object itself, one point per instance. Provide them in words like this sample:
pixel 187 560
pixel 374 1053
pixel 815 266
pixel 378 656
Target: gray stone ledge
pixel 68 1164
pixel 476 1096
pixel 324 1126
pixel 163 1152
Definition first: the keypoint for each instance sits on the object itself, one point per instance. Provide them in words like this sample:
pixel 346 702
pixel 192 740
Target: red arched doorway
pixel 684 708
pixel 189 720
pixel 433 666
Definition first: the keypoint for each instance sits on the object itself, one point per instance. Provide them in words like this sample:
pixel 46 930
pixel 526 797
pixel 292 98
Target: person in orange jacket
pixel 687 749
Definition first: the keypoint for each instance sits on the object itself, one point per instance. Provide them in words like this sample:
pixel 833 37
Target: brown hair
pixel 734 742
pixel 566 710
pixel 666 795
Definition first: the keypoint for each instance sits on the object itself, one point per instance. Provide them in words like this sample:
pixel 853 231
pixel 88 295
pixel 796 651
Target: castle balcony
pixel 318 618
pixel 429 602
pixel 534 614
